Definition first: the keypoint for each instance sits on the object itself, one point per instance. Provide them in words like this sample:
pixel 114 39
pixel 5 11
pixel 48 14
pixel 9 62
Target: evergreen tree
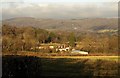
pixel 72 40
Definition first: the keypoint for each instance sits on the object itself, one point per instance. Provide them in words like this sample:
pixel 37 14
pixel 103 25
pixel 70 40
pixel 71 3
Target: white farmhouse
pixel 63 49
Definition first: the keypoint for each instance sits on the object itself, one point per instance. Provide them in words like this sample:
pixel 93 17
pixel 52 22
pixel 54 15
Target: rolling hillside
pixel 95 24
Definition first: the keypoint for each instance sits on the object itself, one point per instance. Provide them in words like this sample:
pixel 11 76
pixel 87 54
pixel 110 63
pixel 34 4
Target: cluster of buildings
pixel 57 47
pixel 60 48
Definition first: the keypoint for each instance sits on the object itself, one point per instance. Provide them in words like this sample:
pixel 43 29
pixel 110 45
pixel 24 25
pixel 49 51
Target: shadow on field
pixel 21 67
pixel 33 67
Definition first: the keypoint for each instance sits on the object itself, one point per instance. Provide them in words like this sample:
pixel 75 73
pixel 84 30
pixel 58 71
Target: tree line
pixel 23 38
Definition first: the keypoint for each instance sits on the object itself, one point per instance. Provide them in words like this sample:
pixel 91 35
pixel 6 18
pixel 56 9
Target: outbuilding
pixel 79 52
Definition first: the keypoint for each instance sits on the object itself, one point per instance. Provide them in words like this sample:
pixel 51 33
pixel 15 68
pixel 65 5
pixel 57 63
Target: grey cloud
pixel 61 10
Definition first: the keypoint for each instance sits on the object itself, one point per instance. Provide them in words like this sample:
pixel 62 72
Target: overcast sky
pixel 64 9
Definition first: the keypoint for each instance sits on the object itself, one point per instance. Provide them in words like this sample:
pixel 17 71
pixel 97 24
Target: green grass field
pixel 64 66
pixel 94 58
pixel 90 57
pixel 58 66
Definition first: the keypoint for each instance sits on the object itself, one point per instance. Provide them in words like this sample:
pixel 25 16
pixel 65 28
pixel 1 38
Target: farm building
pixel 63 49
pixel 56 46
pixel 79 52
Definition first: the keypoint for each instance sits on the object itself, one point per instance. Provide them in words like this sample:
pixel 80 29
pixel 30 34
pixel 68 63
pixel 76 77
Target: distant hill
pixel 95 24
